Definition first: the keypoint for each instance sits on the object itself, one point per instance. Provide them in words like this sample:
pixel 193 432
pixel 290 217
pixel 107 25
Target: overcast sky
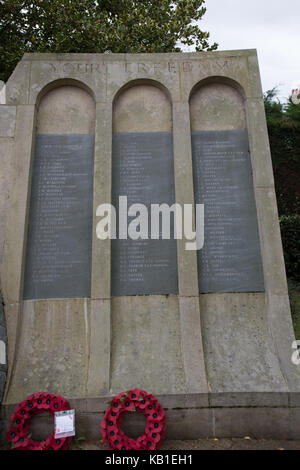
pixel 270 26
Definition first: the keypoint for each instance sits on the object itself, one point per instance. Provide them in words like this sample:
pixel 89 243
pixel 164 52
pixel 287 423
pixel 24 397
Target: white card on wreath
pixel 64 423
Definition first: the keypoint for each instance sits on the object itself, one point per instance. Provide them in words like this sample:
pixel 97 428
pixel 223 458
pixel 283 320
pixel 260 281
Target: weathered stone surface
pixel 7 120
pixel 192 345
pixel 66 110
pixel 17 213
pixel 2 333
pixel 188 417
pixel 6 177
pixel 142 108
pixel 184 190
pixel 101 253
pixel 146 350
pixel 257 422
pixel 2 92
pixel 230 260
pixel 99 346
pixel 217 107
pixel 53 349
pixel 143 172
pixel 98 375
pixel 2 383
pixel 17 87
pixel 235 329
pixel 3 359
pixel 68 69
pixel 3 351
pixel 58 256
pixel 2 316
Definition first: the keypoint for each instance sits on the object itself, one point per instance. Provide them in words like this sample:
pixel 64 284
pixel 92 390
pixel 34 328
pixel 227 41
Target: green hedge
pixel 290 233
pixel 285 149
pixel 284 138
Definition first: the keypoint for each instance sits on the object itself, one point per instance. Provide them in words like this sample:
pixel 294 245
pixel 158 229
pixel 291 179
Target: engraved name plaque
pixel 59 245
pixel 143 171
pixel 230 260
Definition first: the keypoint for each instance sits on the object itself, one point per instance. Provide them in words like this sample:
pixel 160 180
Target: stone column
pixel 277 299
pixel 191 335
pixel 100 321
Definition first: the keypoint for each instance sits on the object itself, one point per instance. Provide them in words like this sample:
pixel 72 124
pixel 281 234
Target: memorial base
pixel 194 416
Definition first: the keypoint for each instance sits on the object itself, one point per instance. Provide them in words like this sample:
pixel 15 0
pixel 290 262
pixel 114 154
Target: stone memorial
pixel 58 263
pixel 207 331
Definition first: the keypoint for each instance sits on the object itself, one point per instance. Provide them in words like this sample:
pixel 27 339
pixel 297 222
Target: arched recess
pixel 59 241
pixel 145 317
pixel 143 171
pixel 230 260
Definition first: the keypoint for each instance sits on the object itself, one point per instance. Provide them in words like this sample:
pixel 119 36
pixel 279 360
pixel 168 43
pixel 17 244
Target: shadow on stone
pixel 134 424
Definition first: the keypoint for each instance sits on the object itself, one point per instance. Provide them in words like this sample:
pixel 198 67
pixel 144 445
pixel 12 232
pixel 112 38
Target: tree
pixel 284 133
pixel 274 109
pixel 292 112
pixel 98 26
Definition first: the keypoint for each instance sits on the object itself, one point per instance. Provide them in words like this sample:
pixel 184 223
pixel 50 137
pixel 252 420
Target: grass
pixel 294 293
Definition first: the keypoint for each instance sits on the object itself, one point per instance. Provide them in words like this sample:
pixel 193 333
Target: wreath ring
pixel 142 402
pixel 34 405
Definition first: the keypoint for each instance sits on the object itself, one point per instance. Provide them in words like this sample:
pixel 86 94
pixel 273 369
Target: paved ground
pixel 200 444
pixel 206 444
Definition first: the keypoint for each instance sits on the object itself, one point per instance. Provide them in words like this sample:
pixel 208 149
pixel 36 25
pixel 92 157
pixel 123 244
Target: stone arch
pixel 142 106
pixel 60 82
pixel 223 100
pixel 144 271
pixel 59 241
pixel 230 260
pixel 143 142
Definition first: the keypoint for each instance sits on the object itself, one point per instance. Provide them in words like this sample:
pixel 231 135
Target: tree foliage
pixel 273 107
pixel 98 26
pixel 284 133
pixel 290 233
pixel 283 121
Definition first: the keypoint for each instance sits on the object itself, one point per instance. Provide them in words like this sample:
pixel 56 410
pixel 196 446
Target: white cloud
pixel 270 26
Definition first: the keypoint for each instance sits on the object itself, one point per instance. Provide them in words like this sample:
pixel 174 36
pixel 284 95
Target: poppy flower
pixel 116 404
pixel 46 444
pixel 155 436
pixel 136 394
pixel 23 442
pixel 20 406
pixel 66 443
pixel 128 404
pixel 150 444
pixel 55 405
pixel 40 405
pixel 156 427
pixel 14 435
pixel 57 443
pixel 35 404
pixel 121 396
pixel 142 402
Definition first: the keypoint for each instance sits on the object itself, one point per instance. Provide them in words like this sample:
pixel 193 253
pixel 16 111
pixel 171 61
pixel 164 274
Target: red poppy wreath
pixel 134 400
pixel 32 406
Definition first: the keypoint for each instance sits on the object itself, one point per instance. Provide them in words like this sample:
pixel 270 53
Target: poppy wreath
pixel 32 406
pixel 134 400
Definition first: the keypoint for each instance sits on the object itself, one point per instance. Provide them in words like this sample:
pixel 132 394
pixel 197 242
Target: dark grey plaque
pixel 59 242
pixel 143 170
pixel 230 260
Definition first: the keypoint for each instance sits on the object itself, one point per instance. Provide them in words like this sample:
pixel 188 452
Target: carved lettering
pixel 172 67
pixel 141 67
pixel 187 66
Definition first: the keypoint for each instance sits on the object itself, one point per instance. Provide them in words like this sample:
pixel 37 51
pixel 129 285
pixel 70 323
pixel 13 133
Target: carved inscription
pixel 70 67
pixel 230 260
pixel 59 246
pixel 143 171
